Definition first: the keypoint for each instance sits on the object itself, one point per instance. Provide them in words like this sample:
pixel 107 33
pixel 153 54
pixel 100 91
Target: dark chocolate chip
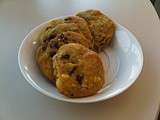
pixel 51 54
pixel 51 36
pixel 72 70
pixel 68 18
pixel 72 94
pixel 56 45
pixel 65 56
pixel 44 48
pixel 80 78
pixel 48 27
pixel 44 40
pixel 62 37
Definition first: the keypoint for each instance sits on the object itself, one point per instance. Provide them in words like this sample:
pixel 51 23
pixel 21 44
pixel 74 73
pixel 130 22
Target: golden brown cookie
pixel 72 33
pixel 45 63
pixel 79 71
pixel 82 24
pixel 102 28
pixel 65 38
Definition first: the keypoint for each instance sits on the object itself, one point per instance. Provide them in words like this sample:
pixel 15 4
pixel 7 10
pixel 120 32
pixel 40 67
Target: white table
pixel 20 101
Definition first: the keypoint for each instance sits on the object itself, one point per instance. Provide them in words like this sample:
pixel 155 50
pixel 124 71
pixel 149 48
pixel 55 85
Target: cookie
pixel 45 63
pixel 79 71
pixel 65 38
pixel 44 35
pixel 82 24
pixel 102 28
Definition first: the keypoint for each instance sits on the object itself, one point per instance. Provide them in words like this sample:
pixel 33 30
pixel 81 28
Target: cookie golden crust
pixel 82 24
pixel 45 64
pixel 78 70
pixel 102 28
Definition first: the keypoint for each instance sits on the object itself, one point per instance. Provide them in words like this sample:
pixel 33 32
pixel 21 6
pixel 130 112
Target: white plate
pixel 124 60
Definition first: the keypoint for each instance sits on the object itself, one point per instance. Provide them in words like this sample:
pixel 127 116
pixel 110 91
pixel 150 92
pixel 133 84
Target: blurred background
pixel 156 4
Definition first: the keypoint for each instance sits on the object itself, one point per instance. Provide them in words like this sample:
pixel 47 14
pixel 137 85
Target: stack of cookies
pixel 68 52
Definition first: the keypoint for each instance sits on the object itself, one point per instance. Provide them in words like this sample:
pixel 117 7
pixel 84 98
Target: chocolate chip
pixel 68 18
pixel 65 56
pixel 56 45
pixel 44 48
pixel 72 94
pixel 80 78
pixel 61 37
pixel 48 27
pixel 51 36
pixel 44 40
pixel 72 70
pixel 51 54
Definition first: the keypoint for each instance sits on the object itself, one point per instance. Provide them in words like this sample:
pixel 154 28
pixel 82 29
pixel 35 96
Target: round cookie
pixel 45 63
pixel 44 35
pixel 79 71
pixel 102 28
pixel 65 38
pixel 69 28
pixel 82 24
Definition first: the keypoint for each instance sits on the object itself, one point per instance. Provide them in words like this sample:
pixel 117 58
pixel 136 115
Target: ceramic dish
pixel 124 60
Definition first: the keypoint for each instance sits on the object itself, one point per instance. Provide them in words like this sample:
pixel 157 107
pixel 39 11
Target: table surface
pixel 20 101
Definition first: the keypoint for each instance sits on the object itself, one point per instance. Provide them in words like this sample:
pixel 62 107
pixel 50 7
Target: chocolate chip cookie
pixel 65 38
pixel 44 54
pixel 102 28
pixel 82 24
pixel 79 71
